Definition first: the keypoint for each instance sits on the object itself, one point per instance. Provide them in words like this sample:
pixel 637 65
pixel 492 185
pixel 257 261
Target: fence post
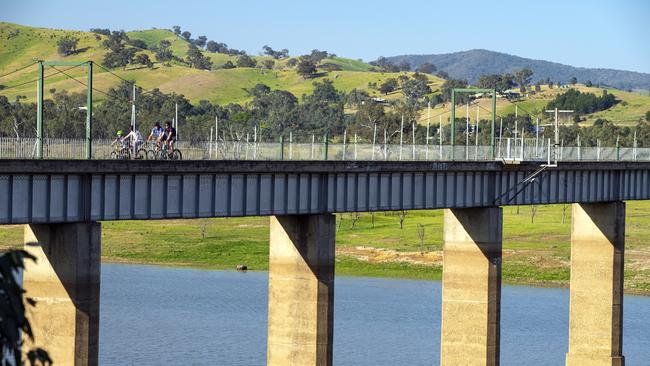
pixel 618 149
pixel 326 146
pixel 281 147
pixel 579 148
pixel 345 137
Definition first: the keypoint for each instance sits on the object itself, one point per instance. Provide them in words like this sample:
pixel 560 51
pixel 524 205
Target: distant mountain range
pixel 474 63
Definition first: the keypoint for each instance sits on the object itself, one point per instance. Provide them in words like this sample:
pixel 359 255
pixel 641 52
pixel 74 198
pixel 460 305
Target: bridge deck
pixel 34 191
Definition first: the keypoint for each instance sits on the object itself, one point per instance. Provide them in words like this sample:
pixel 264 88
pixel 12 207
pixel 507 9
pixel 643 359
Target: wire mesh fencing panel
pixel 504 149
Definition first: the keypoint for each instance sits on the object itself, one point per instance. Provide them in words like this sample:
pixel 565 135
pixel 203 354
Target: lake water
pixel 176 316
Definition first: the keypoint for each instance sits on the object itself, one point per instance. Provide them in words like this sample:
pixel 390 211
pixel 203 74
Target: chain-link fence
pixel 505 149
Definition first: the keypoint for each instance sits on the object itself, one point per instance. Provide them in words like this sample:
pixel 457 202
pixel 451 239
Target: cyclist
pixel 169 136
pixel 134 138
pixel 120 138
pixel 156 132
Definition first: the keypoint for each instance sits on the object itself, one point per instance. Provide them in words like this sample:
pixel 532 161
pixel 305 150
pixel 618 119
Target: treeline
pixel 582 103
pixel 274 113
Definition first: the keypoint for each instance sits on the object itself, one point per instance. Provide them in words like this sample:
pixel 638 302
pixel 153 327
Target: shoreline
pixel 403 276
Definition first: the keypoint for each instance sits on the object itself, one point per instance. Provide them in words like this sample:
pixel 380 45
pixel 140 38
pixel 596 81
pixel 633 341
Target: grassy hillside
pixel 21 45
pixel 629 111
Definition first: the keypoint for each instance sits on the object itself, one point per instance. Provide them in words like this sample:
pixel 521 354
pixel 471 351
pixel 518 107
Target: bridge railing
pixel 507 149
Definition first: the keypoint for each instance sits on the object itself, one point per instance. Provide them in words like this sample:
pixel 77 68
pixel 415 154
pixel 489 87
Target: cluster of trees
pixel 385 65
pixel 123 51
pixel 274 113
pixel 202 42
pixel 284 53
pixel 503 82
pixel 582 103
pixel 271 112
pixel 67 45
pixel 415 88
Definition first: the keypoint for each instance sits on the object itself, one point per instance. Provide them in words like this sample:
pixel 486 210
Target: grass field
pixel 536 249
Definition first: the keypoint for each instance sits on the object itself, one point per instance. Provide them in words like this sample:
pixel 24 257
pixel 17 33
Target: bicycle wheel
pixel 112 155
pixel 141 154
pixel 176 155
pixel 151 155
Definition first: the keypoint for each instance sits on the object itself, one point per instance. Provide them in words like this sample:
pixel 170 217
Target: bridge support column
pixel 65 283
pixel 301 290
pixel 471 286
pixel 596 305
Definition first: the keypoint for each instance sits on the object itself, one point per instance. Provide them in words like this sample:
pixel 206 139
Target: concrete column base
pixel 301 290
pixel 65 283
pixel 596 294
pixel 471 287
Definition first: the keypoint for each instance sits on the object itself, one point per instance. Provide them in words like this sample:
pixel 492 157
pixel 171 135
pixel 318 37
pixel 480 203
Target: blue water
pixel 175 316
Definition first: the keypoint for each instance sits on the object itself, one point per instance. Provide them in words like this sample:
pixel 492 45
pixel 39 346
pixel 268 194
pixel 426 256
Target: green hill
pixel 22 45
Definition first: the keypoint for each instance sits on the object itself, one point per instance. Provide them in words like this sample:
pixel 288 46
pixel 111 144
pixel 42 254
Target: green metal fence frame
pixel 39 110
pixel 453 116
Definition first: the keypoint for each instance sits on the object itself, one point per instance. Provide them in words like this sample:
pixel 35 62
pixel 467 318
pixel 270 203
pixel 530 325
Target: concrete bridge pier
pixel 471 286
pixel 301 290
pixel 596 305
pixel 65 283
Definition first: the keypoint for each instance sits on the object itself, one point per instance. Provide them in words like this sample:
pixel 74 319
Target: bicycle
pixel 160 152
pixel 120 152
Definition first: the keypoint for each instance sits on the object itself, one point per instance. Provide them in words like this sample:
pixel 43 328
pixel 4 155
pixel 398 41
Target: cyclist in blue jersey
pixel 156 132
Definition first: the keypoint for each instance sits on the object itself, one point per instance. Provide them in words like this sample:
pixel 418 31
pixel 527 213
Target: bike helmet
pixel 120 132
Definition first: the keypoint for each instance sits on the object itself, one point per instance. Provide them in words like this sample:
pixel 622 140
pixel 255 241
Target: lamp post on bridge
pixel 556 144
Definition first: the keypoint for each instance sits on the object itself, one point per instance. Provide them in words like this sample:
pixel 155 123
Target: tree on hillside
pixel 258 90
pixel 317 56
pixel 228 65
pixel 574 80
pixel 496 81
pixel 246 61
pixel 454 84
pixel 163 53
pixel 187 35
pixel 356 97
pixel 102 31
pixel 116 41
pixel 67 45
pixel 388 86
pixel 217 47
pixel 177 30
pixel 385 65
pixel 196 58
pixel 138 43
pixel 120 58
pixel 414 90
pixel 143 59
pixel 275 54
pixel 523 78
pixel 306 67
pixel 201 41
pixel 589 84
pixel 404 66
pixel 427 68
pixel 647 116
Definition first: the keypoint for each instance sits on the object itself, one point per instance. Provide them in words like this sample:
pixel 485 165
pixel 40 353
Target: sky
pixel 595 33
